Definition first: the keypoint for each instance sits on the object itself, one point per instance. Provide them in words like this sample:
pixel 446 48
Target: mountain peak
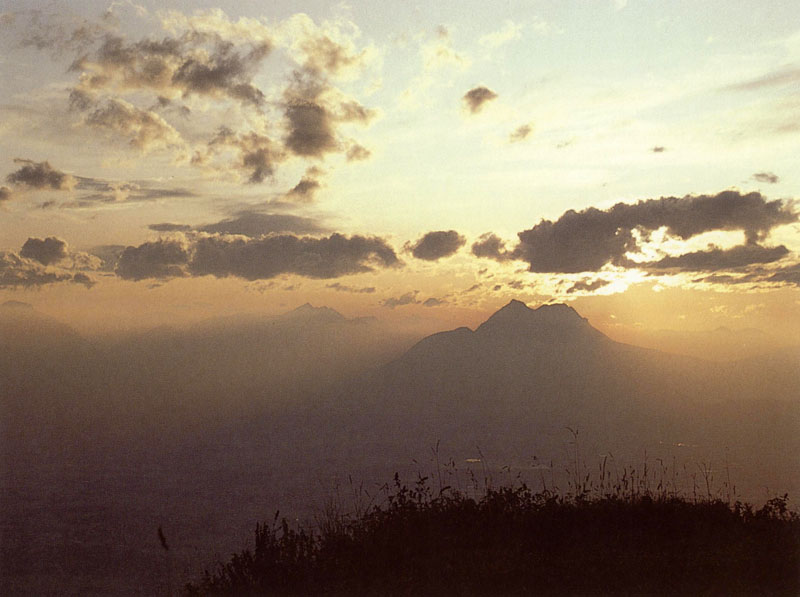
pixel 308 311
pixel 552 322
pixel 17 306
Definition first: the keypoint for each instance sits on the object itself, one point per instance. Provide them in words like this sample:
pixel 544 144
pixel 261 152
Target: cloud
pixel 521 133
pixel 409 298
pixel 18 272
pixel 40 175
pixel 169 227
pixel 658 149
pixel 491 246
pixel 590 239
pixel 45 251
pixel 343 288
pixel 85 280
pixel 436 245
pixel 434 302
pixel 305 190
pixel 310 128
pixel 258 154
pixel 144 129
pixel 768 177
pixel 256 224
pixel 509 32
pixel 164 258
pixel 5 194
pixel 270 256
pixel 357 153
pixel 255 258
pixel 587 286
pixel 787 76
pixel 477 97
pixel 193 63
pixel 716 259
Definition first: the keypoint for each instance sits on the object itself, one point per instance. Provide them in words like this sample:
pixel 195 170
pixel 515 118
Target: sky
pixel 424 163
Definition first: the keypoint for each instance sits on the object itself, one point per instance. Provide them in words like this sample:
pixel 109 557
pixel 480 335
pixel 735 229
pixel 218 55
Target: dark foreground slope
pixel 513 541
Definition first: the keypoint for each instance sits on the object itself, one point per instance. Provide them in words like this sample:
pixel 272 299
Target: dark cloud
pixel 256 224
pixel 160 259
pixel 436 245
pixel 270 256
pixel 5 194
pixel 587 285
pixel 258 154
pixel 19 272
pixel 40 175
pixel 476 98
pixel 787 275
pixel 81 278
pixel 357 153
pixel 491 246
pixel 109 256
pixel 343 288
pixel 194 63
pixel 409 298
pixel 659 149
pixel 433 302
pixel 521 133
pixel 305 190
pixel 224 72
pixel 310 129
pixel 787 76
pixel 144 129
pixel 169 227
pixel 45 251
pixel 719 259
pixel 768 177
pixel 587 240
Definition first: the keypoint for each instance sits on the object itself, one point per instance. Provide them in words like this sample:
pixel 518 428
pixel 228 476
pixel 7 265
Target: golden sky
pixel 166 162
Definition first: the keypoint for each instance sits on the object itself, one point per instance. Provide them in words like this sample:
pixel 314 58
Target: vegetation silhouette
pixel 607 538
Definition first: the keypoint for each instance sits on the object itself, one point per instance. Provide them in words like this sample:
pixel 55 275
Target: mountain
pixel 515 384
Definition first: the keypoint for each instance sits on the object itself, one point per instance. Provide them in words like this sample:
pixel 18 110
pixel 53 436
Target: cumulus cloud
pixel 436 245
pixel 310 128
pixel 192 63
pixel 588 240
pixel 5 194
pixel 45 251
pixel 477 97
pixel 768 177
pixel 256 224
pixel 491 246
pixel 144 129
pixel 40 175
pixel 305 190
pixel 164 258
pixel 521 133
pixel 258 154
pixel 253 259
pixel 19 272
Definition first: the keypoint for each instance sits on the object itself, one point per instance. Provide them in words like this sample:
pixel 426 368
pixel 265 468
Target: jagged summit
pixel 516 315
